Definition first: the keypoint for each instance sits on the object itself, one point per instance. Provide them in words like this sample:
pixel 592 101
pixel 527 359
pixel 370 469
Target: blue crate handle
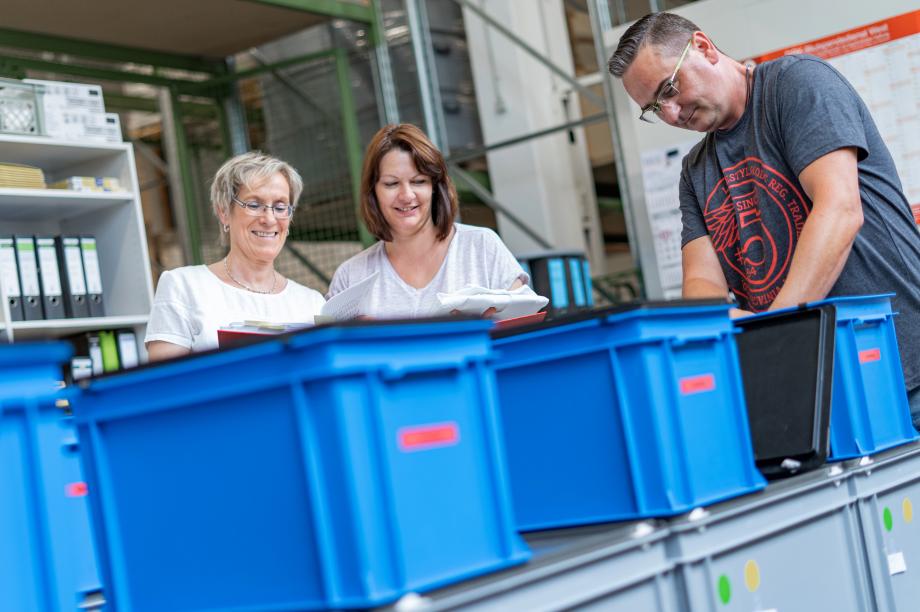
pixel 682 339
pixel 70 444
pixel 395 372
pixel 879 318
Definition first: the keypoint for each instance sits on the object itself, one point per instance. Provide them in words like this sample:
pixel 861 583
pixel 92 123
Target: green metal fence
pixel 302 113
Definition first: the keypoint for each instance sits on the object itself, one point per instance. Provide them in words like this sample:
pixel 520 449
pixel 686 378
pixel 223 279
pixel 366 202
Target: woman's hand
pixel 487 313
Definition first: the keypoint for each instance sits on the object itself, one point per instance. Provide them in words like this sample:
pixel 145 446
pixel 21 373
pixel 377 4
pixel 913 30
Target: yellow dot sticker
pixel 751 575
pixel 908 508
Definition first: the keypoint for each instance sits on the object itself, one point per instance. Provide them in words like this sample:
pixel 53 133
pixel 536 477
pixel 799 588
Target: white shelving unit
pixel 115 219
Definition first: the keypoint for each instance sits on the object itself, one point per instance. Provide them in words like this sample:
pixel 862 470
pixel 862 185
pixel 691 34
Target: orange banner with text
pixel 865 36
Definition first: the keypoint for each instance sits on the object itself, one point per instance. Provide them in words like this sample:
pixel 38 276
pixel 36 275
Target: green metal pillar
pixel 226 139
pixel 331 8
pixel 382 69
pixel 187 183
pixel 352 139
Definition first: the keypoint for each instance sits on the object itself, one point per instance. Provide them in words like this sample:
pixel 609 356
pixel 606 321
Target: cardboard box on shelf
pixel 70 96
pixel 105 127
pixel 88 183
pixel 76 111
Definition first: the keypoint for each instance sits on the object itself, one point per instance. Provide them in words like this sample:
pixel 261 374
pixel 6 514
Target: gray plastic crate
pixel 619 567
pixel 794 546
pixel 887 487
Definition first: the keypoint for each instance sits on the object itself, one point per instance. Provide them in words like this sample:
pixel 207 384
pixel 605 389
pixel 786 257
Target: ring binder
pixel 93 276
pixel 28 278
pixel 50 278
pixel 9 278
pixel 70 260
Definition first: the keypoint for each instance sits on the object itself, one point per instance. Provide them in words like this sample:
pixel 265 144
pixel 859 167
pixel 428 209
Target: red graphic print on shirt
pixel 755 255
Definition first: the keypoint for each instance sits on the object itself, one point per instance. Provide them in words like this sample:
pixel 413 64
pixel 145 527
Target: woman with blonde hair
pixel 253 197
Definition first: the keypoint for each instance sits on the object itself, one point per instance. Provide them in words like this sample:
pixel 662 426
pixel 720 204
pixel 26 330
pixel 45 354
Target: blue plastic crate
pixel 869 410
pixel 336 468
pixel 629 415
pixel 46 555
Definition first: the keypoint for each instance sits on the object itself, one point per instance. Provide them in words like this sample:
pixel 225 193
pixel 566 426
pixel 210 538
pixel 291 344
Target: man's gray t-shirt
pixel 740 186
pixel 475 256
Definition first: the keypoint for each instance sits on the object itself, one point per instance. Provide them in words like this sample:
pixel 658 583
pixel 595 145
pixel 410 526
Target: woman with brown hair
pixel 409 204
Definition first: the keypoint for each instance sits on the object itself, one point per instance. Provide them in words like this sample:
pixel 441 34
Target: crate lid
pixel 386 328
pixel 607 313
pixel 265 346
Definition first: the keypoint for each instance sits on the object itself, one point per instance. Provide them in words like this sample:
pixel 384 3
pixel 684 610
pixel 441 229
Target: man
pixel 791 196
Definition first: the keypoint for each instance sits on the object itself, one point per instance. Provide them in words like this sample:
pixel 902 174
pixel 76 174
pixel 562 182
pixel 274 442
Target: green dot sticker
pixel 886 518
pixel 725 589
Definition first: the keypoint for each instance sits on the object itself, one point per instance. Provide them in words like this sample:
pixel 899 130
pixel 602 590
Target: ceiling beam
pixel 15 65
pixel 338 9
pixel 152 105
pixel 102 51
pixel 230 77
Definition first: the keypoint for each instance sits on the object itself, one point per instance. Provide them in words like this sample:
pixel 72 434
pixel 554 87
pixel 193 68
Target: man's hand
pixel 485 315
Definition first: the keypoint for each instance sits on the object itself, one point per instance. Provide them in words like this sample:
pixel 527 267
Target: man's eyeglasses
pixel 280 210
pixel 667 91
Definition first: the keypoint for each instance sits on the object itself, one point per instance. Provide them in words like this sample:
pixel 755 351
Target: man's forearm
pixel 832 183
pixel 819 257
pixel 703 288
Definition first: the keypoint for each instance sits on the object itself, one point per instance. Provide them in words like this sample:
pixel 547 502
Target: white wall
pixel 547 181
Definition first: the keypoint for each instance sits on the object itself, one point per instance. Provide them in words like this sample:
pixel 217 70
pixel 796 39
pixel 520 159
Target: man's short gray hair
pixel 665 30
pixel 246 170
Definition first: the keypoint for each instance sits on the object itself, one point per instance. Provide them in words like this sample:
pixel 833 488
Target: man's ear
pixel 704 45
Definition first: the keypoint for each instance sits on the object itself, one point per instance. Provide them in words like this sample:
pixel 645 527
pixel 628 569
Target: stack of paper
pixel 508 304
pixel 19 175
pixel 349 304
pixel 239 334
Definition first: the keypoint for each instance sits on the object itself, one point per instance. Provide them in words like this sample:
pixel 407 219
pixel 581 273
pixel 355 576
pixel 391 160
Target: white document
pixel 473 300
pixel 661 179
pixel 896 563
pixel 95 354
pixel 127 349
pixel 350 303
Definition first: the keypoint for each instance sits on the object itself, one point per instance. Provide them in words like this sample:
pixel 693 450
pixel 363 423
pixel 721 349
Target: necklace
pixel 245 286
pixel 749 84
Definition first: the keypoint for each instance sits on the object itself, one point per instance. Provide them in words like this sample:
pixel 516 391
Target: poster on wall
pixel 882 61
pixel 661 178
